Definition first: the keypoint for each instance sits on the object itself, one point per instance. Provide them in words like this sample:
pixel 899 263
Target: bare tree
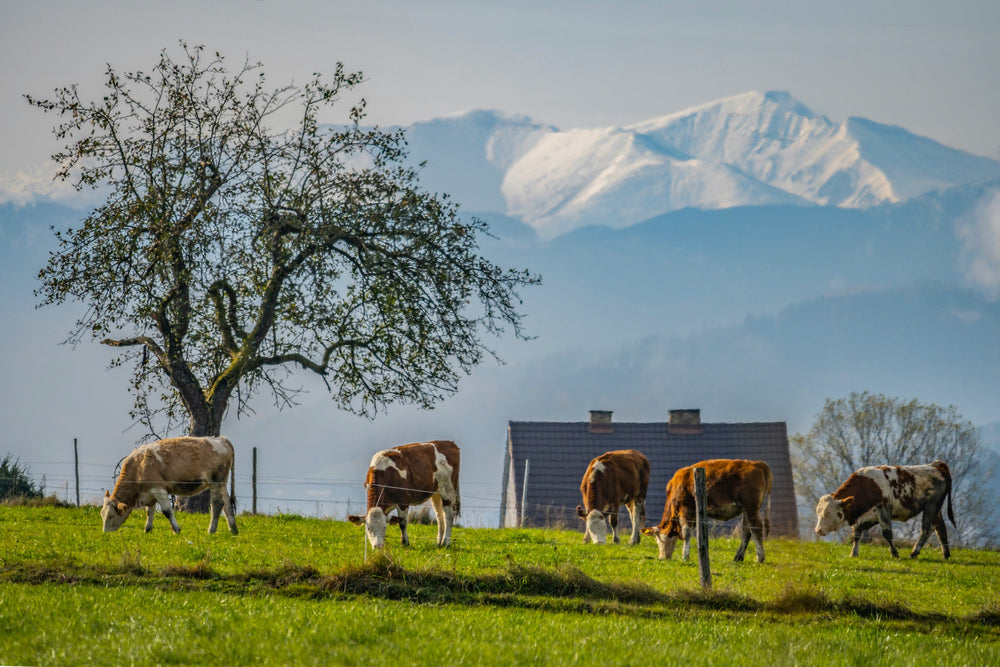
pixel 229 252
pixel 871 429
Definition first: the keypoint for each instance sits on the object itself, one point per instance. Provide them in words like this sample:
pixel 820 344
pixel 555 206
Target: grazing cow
pixel 734 487
pixel 179 466
pixel 614 479
pixel 409 475
pixel 879 494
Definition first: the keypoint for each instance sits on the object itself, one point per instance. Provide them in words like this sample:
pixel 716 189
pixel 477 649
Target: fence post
pixel 253 483
pixel 524 492
pixel 701 506
pixel 76 466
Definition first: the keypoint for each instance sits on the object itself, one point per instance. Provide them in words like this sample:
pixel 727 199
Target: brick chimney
pixel 600 422
pixel 684 422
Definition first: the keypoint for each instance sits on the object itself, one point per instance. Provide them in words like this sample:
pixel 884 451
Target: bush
pixel 15 482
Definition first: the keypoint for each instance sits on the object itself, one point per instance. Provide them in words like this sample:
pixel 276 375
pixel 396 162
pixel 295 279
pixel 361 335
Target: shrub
pixel 15 481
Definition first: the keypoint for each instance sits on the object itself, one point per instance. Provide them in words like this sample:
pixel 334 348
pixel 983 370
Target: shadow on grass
pixel 563 588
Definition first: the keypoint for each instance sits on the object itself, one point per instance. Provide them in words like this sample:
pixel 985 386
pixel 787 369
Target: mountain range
pixel 749 150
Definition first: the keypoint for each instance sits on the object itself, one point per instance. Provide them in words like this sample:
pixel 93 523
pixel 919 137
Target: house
pixel 555 455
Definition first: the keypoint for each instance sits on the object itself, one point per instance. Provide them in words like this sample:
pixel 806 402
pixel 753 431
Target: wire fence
pixel 478 510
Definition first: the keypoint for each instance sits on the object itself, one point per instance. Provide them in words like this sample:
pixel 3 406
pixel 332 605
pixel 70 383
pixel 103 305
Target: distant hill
pixel 693 269
pixel 927 341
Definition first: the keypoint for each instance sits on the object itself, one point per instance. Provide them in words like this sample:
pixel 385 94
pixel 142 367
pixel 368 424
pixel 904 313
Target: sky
pixel 922 64
pixel 925 65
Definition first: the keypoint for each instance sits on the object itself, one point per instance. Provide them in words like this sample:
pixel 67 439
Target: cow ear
pixel 651 531
pixel 847 502
pixel 394 520
pixel 580 513
pixel 107 494
pixel 356 520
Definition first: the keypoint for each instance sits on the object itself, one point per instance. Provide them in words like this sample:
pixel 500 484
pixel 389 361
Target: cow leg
pixel 757 531
pixel 449 521
pixel 150 512
pixel 637 510
pixel 445 512
pixel 744 539
pixel 856 541
pixel 942 533
pixel 227 507
pixel 686 536
pixel 216 503
pixel 885 521
pixel 613 520
pixel 403 514
pixel 926 525
pixel 163 500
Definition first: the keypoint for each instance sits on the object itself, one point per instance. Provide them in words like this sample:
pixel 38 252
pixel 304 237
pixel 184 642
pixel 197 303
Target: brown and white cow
pixel 879 494
pixel 614 479
pixel 174 466
pixel 734 487
pixel 409 475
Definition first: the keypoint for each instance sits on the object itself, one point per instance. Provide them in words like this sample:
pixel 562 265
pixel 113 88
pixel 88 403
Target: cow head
pixel 831 514
pixel 596 527
pixel 375 523
pixel 664 541
pixel 113 513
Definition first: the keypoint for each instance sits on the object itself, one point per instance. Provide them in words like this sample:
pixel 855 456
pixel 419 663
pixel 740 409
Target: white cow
pixel 178 466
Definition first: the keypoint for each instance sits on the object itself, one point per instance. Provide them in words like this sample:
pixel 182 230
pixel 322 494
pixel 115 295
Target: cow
pixel 881 494
pixel 613 479
pixel 409 475
pixel 174 466
pixel 734 487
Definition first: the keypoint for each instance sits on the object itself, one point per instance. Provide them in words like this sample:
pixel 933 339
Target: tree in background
pixel 871 429
pixel 15 482
pixel 229 253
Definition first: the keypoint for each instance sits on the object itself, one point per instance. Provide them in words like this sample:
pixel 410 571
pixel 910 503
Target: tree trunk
pixel 201 503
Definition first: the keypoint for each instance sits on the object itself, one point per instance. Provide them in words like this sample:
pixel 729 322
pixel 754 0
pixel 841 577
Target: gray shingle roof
pixel 559 452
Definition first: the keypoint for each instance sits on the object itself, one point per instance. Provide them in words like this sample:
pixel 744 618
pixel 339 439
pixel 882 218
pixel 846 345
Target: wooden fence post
pixel 524 492
pixel 76 465
pixel 253 483
pixel 701 506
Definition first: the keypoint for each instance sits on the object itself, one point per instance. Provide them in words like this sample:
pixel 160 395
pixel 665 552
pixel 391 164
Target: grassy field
pixel 293 590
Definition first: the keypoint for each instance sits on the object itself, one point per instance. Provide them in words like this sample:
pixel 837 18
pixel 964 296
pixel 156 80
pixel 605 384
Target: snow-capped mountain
pixel 748 150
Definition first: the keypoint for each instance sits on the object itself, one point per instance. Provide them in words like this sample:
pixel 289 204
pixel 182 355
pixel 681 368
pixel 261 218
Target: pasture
pixel 294 590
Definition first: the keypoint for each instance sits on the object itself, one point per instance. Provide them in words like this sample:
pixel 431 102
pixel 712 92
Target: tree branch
pixel 227 317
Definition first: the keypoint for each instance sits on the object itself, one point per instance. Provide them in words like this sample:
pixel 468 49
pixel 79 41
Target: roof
pixel 559 452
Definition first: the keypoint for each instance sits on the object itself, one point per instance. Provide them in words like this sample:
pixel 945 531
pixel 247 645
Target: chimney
pixel 600 422
pixel 684 422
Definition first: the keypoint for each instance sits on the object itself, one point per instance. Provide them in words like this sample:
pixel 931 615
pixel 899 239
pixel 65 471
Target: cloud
pixel 980 237
pixel 36 184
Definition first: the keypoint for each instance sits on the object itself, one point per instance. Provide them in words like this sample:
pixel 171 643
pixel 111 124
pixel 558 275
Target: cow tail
pixel 769 481
pixel 458 501
pixel 232 486
pixel 951 514
pixel 767 516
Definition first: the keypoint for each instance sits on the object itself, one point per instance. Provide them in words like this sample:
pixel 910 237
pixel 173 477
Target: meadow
pixel 296 590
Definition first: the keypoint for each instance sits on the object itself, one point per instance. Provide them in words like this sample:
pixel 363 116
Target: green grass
pixel 292 590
